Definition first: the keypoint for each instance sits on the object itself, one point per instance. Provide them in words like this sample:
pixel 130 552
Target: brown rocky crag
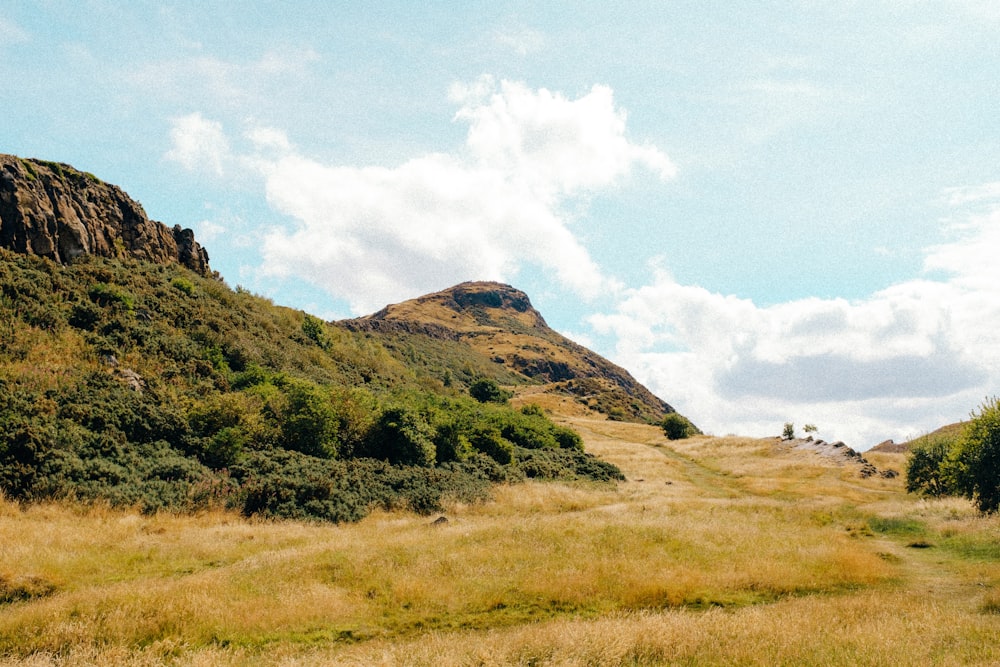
pixel 55 211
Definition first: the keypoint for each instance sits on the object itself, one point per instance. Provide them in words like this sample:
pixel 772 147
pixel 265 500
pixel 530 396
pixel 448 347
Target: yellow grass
pixel 716 551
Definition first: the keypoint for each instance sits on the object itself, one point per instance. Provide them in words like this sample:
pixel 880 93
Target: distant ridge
pixel 52 210
pixel 949 432
pixel 499 322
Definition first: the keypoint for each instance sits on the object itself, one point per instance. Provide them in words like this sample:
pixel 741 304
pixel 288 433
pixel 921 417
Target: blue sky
pixel 778 211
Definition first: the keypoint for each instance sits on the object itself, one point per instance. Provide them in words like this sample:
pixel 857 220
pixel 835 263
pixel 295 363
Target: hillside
pixel 498 323
pixel 131 373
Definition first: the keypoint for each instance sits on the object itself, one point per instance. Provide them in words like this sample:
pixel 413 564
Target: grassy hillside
pixel 148 385
pixel 717 551
pixel 497 324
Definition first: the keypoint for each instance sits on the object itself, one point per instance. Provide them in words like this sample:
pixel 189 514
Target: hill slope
pixel 499 323
pixel 130 372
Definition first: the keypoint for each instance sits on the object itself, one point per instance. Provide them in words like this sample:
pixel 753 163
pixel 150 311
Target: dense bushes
pixel 153 387
pixel 968 464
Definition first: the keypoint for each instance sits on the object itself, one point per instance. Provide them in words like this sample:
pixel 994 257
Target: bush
pixel 183 285
pixel 677 427
pixel 402 436
pixel 309 424
pixel 312 327
pixel 110 295
pixel 486 390
pixel 488 440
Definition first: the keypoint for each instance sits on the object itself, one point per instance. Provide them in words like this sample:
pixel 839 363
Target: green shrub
pixel 487 439
pixel 110 295
pixel 309 423
pixel 183 285
pixel 314 330
pixel 486 390
pixel 567 438
pixel 566 464
pixel 400 435
pixel 677 427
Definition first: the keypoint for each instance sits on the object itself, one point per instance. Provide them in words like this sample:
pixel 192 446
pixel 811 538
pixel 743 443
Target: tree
pixel 927 467
pixel 975 463
pixel 788 432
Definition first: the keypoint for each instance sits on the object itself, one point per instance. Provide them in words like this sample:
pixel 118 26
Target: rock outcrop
pixel 52 210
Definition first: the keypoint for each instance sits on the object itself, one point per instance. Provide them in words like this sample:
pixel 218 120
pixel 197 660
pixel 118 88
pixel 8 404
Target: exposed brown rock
pixel 52 210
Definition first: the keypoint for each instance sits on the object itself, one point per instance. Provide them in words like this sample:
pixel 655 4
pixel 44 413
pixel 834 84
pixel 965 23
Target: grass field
pixel 717 551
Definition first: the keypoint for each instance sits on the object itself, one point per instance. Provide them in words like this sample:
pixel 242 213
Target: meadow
pixel 715 551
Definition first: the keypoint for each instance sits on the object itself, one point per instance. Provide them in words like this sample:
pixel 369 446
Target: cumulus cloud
pixel 903 361
pixel 374 235
pixel 551 143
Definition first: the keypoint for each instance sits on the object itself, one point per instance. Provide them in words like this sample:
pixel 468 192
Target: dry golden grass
pixel 716 551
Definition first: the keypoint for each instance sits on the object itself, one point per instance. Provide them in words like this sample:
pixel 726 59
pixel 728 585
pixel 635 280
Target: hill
pixel 498 323
pixel 948 432
pixel 131 373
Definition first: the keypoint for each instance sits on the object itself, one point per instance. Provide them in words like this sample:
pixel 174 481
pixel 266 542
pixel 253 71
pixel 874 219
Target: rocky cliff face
pixel 52 210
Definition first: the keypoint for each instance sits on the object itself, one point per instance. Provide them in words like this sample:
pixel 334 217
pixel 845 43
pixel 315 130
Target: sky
pixel 767 211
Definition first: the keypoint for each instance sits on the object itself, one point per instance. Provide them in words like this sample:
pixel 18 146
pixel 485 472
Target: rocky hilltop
pixel 499 322
pixel 52 210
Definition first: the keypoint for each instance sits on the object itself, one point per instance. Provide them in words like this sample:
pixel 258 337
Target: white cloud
pixel 961 196
pixel 373 235
pixel 199 144
pixel 269 139
pixel 903 361
pixel 209 230
pixel 553 144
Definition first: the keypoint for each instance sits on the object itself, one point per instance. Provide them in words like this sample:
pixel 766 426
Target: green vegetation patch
pixel 116 385
pixel 897 526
